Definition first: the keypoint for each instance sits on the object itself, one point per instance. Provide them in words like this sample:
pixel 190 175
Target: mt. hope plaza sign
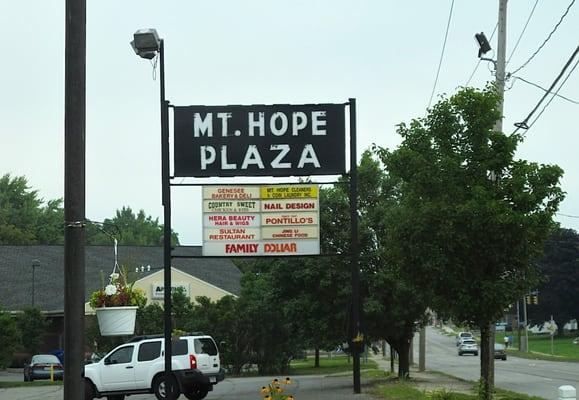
pixel 259 140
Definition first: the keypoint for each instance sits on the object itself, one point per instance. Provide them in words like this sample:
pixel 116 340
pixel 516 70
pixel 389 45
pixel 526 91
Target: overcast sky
pixel 384 53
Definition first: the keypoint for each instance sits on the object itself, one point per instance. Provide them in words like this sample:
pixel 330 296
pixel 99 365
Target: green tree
pixel 8 338
pixel 559 268
pixel 471 218
pixel 150 319
pixel 31 325
pixel 23 218
pixel 227 322
pixel 129 229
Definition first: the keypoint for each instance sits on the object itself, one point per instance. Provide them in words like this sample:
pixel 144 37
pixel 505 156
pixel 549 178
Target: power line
pixel 544 90
pixel 554 94
pixel 568 215
pixel 523 125
pixel 546 40
pixel 442 53
pixel 523 31
pixel 479 60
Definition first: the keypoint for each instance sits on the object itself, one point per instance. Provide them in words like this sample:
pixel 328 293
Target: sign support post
pixel 166 199
pixel 356 331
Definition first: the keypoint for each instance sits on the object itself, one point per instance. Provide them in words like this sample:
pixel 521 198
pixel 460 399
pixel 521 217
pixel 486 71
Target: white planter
pixel 117 321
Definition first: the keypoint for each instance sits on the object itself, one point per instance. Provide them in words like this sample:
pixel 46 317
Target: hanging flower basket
pixel 117 303
pixel 117 321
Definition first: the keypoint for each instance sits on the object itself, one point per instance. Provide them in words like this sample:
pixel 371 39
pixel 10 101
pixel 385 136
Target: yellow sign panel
pixel 289 192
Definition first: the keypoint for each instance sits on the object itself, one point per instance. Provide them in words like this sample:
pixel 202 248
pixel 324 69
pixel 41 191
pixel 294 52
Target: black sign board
pixel 259 140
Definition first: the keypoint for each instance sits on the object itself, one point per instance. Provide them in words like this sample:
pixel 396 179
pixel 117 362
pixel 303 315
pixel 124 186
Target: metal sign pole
pixel 166 198
pixel 357 340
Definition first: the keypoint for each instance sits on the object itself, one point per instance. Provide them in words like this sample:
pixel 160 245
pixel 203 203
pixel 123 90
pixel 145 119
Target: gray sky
pixel 384 53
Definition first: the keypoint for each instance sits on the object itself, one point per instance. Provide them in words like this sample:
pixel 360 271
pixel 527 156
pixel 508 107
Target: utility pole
pixel 74 197
pixel 487 348
pixel 525 340
pixel 422 350
pixel 501 59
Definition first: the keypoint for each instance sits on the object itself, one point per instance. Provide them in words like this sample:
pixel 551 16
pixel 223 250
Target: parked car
pixel 43 366
pixel 463 335
pixel 468 346
pixel 500 351
pixel 138 366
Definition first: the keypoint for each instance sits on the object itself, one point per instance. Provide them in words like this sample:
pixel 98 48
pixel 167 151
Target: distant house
pixel 210 277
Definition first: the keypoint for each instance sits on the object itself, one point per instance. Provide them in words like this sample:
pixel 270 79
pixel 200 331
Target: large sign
pixel 261 220
pixel 259 140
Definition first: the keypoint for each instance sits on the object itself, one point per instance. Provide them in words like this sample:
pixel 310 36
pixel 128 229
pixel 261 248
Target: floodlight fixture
pixel 483 44
pixel 146 43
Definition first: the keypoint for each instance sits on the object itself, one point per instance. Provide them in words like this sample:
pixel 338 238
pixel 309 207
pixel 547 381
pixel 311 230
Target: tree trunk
pixel 392 355
pixel 404 360
pixel 487 359
pixel 317 358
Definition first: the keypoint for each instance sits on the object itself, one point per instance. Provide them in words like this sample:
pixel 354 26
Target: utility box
pixel 567 392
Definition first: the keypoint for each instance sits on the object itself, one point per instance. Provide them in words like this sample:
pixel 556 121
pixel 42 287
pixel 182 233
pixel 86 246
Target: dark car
pixel 500 351
pixel 43 366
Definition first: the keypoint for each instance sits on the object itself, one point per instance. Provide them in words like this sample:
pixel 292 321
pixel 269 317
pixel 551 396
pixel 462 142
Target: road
pixel 533 377
pixel 303 387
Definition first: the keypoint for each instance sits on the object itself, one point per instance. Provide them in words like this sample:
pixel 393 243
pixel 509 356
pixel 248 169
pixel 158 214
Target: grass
pixel 13 384
pixel 327 366
pixel 395 390
pixel 540 347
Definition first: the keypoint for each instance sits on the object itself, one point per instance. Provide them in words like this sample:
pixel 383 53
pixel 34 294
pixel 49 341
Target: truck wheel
pixel 160 388
pixel 88 390
pixel 198 393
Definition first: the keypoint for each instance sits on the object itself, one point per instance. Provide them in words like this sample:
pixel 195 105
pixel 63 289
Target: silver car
pixel 468 346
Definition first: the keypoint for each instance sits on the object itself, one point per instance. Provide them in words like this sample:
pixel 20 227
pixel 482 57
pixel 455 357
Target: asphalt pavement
pixel 532 377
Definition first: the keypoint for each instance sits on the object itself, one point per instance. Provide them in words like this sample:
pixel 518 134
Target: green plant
pixel 119 292
pixel 440 394
pixel 275 390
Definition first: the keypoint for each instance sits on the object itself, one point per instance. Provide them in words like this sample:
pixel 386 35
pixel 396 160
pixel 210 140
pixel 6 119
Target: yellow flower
pixel 264 390
pixel 278 389
pixel 275 381
pixel 288 381
pixel 290 397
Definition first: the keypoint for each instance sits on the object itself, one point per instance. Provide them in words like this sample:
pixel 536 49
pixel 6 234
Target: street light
pixel 35 263
pixel 147 44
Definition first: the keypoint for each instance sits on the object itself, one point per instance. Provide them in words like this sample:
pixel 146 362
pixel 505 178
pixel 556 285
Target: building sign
pixel 270 220
pixel 259 140
pixel 158 289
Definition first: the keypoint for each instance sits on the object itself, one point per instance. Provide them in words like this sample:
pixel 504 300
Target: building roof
pixel 16 271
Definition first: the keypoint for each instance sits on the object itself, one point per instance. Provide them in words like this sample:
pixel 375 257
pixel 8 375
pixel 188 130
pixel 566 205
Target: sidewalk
pixel 427 380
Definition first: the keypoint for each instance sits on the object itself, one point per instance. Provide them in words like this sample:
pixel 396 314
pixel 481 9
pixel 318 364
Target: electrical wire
pixel 442 53
pixel 479 60
pixel 546 40
pixel 516 78
pixel 554 95
pixel 523 31
pixel 523 125
pixel 568 215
